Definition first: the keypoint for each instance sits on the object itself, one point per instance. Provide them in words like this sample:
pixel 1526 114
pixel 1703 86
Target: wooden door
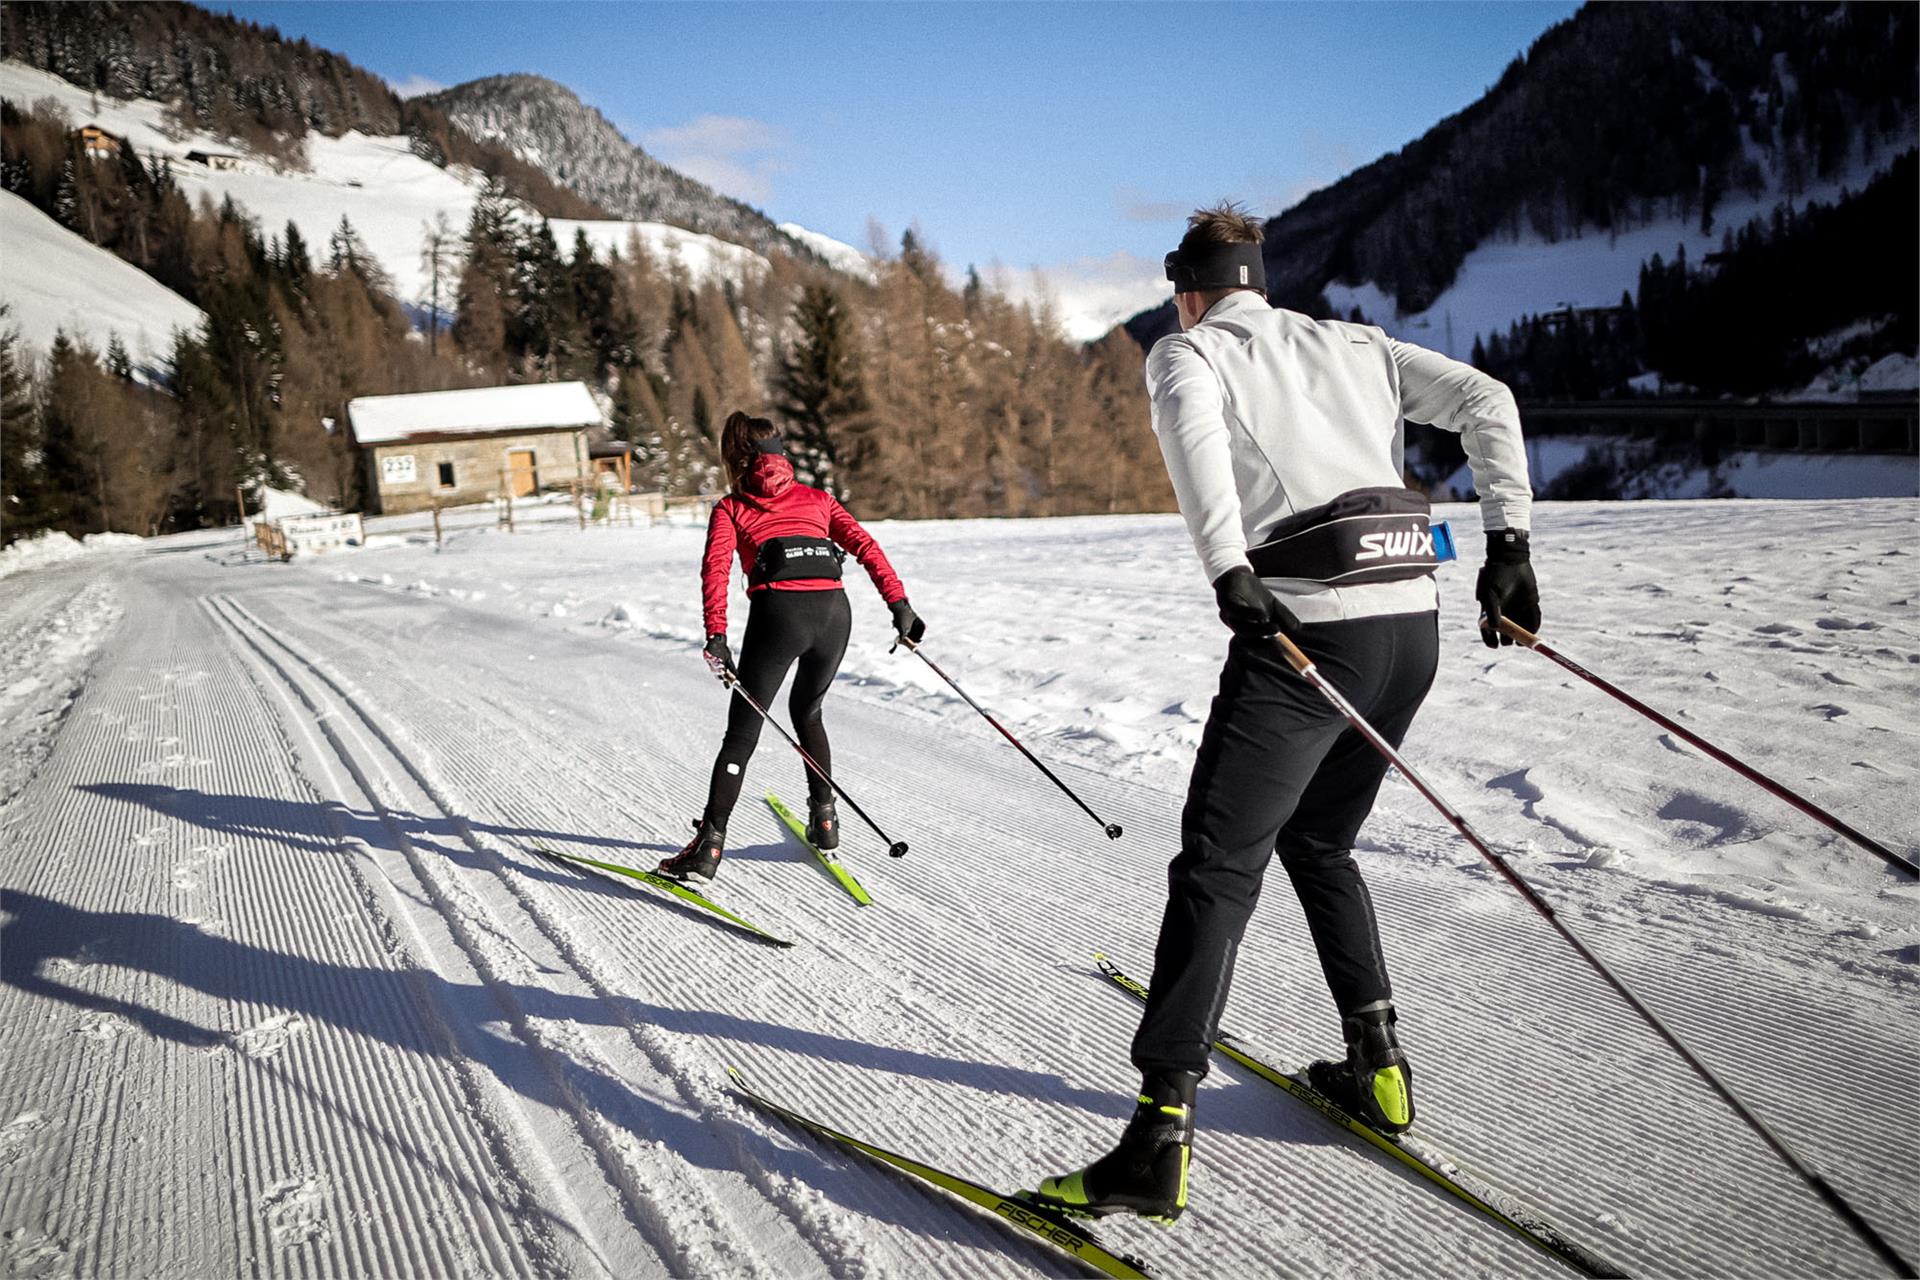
pixel 520 464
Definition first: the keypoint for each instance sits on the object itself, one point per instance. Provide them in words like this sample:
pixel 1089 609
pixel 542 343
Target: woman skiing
pixel 789 539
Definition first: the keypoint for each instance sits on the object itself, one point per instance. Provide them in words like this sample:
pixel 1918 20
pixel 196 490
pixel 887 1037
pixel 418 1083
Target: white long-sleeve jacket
pixel 1262 412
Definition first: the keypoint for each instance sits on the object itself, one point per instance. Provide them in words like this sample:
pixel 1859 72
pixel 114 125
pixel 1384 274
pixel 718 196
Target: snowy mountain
pixel 388 192
pixel 547 125
pixel 1553 188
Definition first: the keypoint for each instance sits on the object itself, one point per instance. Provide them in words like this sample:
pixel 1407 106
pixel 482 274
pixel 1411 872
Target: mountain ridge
pixel 1751 98
pixel 547 124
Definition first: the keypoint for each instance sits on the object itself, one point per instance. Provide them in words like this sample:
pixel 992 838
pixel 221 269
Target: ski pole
pixel 730 678
pixel 1523 636
pixel 1111 828
pixel 1819 1185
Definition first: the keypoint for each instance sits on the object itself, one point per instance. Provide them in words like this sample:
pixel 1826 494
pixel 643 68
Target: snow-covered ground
pixel 287 989
pixel 53 280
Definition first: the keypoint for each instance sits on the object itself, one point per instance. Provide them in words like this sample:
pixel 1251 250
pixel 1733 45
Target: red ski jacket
pixel 774 505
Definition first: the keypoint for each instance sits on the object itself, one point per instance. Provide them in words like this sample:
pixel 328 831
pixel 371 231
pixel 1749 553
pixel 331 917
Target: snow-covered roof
pixel 536 406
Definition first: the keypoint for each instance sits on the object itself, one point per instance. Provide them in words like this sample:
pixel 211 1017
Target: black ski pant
pixel 1281 771
pixel 783 628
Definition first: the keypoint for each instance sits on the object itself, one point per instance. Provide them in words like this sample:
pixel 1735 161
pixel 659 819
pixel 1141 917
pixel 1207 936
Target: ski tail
pixel 1029 1217
pixel 835 868
pixel 1413 1151
pixel 654 879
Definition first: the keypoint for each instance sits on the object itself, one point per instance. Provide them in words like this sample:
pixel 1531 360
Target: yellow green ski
pixel 834 866
pixel 1053 1228
pixel 669 885
pixel 1409 1149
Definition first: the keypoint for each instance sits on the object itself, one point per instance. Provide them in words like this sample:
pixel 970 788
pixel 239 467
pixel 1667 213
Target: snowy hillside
pixel 389 194
pixel 835 253
pixel 702 257
pixel 287 987
pixel 1089 296
pixel 1504 281
pixel 52 279
pixel 548 125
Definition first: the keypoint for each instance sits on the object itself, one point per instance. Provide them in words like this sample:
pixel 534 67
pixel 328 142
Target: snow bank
pixel 53 547
pixel 839 255
pixel 277 504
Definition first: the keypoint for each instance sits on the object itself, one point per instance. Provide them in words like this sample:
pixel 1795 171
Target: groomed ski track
pixel 287 990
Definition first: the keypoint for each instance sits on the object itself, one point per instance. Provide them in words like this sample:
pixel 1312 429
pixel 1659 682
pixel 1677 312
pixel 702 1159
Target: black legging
pixel 782 626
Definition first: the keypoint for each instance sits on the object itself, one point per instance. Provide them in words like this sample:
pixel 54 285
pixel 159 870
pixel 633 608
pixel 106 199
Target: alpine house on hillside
pixel 468 446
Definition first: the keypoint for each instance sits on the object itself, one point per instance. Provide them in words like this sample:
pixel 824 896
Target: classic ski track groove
pixel 649 1188
pixel 308 720
pixel 698 1079
pixel 148 703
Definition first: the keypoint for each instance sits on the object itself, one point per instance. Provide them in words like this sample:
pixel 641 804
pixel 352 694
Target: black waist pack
pixel 1365 535
pixel 788 559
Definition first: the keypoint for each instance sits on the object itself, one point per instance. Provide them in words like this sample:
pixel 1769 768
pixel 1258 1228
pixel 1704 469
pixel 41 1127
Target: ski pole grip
pixel 1518 633
pixel 1299 661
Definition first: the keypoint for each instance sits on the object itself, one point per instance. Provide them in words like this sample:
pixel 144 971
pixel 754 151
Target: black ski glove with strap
pixel 906 623
pixel 1249 608
pixel 717 652
pixel 1506 588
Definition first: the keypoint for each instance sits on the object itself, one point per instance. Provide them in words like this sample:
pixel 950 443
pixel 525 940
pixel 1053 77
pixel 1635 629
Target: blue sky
pixel 1028 134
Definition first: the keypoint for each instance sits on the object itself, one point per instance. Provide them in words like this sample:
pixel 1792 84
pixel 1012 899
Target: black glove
pixel 1249 608
pixel 718 655
pixel 908 624
pixel 1506 588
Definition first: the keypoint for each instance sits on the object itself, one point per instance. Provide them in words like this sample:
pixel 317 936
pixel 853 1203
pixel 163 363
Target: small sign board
pixel 398 468
pixel 312 535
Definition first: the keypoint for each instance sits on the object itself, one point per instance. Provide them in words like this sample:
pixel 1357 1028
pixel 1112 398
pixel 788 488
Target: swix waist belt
pixel 1384 534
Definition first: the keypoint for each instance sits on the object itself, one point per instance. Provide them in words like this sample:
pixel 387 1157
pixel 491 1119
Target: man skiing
pixel 1283 437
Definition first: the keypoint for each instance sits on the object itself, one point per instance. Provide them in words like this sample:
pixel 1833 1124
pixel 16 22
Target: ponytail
pixel 739 441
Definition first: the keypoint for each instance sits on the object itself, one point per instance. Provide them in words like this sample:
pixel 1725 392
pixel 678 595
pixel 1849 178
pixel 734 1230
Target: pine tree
pixel 23 485
pixel 118 363
pixel 293 256
pixel 66 197
pixel 64 464
pixel 821 393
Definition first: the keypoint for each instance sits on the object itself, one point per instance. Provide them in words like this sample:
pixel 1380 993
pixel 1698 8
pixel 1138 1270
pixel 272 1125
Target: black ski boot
pixel 1147 1173
pixel 823 825
pixel 1375 1083
pixel 701 857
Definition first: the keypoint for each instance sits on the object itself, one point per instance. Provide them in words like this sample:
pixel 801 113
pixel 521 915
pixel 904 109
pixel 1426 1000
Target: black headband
pixel 1217 266
pixel 770 444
